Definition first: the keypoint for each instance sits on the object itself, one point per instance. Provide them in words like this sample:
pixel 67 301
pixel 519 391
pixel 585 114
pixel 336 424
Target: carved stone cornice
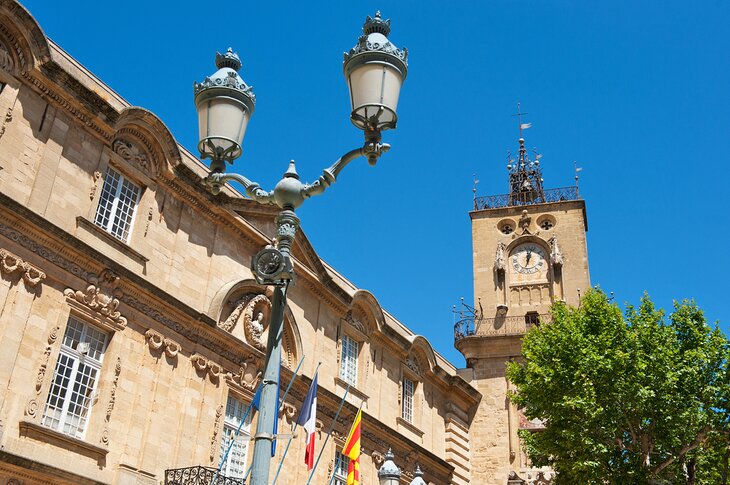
pixel 12 263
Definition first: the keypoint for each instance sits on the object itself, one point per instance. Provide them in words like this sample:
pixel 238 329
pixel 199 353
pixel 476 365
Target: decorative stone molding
pixel 157 341
pixel 95 185
pixel 8 119
pixel 378 458
pixel 356 321
pixel 11 263
pixel 204 365
pixel 131 153
pixel 112 399
pixel 216 427
pixel 556 257
pixel 531 477
pixel 101 296
pixel 31 407
pixel 500 262
pixel 248 375
pixel 287 411
pixel 256 311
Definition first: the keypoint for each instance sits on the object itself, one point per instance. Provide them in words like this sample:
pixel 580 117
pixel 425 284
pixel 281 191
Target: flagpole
pixel 243 420
pixel 348 434
pixel 332 427
pixel 288 444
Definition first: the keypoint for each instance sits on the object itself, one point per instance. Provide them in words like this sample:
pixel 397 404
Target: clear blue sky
pixel 635 91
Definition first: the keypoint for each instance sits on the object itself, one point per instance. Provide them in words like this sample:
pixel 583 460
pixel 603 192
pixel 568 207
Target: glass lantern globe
pixel 224 103
pixel 375 70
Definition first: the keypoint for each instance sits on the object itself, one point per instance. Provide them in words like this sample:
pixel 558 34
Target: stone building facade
pixel 132 329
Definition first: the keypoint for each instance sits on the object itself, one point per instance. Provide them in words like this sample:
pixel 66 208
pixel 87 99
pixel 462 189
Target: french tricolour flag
pixel 308 420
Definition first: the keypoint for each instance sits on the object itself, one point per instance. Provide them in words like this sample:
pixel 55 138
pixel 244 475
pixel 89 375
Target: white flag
pixel 524 126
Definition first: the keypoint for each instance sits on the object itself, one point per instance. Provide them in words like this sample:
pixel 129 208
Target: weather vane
pixel 523 126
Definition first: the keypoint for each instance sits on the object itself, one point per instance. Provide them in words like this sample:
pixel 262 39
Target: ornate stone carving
pixel 157 341
pixel 95 185
pixel 256 311
pixel 204 365
pixel 11 263
pixel 248 375
pixel 356 322
pixel 112 400
pixel 556 257
pixel 288 412
pixel 131 153
pixel 378 458
pixel 6 60
pixel 500 262
pixel 102 295
pixel 31 407
pixel 525 222
pixel 8 119
pixel 149 219
pixel 216 427
pixel 413 365
pixel 530 477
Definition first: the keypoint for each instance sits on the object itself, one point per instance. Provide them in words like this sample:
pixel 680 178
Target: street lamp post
pixel 375 70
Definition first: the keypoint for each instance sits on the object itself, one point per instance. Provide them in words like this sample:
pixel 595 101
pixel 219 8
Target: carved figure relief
pixel 413 365
pixel 6 60
pixel 500 262
pixel 131 153
pixel 102 295
pixel 356 318
pixel 248 376
pixel 216 426
pixel 255 309
pixel 288 412
pixel 11 263
pixel 555 255
pixel 31 407
pixel 525 222
pixel 378 458
pixel 112 400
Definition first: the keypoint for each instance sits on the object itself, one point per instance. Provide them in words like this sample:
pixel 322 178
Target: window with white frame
pixel 234 465
pixel 409 388
pixel 74 379
pixel 341 464
pixel 348 360
pixel 117 205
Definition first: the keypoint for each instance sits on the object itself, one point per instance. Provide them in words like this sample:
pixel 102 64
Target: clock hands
pixel 529 255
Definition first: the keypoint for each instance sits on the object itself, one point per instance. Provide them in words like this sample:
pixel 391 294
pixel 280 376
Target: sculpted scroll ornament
pixel 555 255
pixel 255 311
pixel 10 263
pixel 157 341
pixel 112 400
pixel 413 366
pixel 31 407
pixel 216 426
pixel 102 295
pixel 356 322
pixel 206 366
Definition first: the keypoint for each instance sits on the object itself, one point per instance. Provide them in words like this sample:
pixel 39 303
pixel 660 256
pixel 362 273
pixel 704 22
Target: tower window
pixel 117 205
pixel 348 360
pixel 532 318
pixel 547 224
pixel 506 226
pixel 507 229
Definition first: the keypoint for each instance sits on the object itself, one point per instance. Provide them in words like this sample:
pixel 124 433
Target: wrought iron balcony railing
pixel 511 200
pixel 199 475
pixel 499 326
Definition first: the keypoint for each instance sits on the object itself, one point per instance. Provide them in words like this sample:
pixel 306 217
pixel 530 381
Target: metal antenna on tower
pixel 577 169
pixel 475 190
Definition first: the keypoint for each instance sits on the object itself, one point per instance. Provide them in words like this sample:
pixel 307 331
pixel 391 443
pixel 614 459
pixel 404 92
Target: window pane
pixel 348 360
pixel 341 464
pixel 74 379
pixel 117 202
pixel 235 463
pixel 407 401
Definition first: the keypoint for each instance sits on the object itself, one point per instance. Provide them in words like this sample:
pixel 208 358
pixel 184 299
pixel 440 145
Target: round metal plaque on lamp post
pixel 375 70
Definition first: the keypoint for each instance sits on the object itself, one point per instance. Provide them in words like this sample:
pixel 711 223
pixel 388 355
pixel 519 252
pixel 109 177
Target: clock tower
pixel 529 248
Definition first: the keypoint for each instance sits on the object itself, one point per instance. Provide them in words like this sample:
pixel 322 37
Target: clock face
pixel 528 259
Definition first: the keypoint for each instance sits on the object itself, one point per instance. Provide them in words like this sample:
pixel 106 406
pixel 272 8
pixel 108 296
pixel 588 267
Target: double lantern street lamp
pixel 375 70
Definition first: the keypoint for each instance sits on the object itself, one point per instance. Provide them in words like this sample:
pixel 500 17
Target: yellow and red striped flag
pixel 352 451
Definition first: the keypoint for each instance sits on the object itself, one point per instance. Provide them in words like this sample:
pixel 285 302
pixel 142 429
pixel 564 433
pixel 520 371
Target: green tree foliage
pixel 628 398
